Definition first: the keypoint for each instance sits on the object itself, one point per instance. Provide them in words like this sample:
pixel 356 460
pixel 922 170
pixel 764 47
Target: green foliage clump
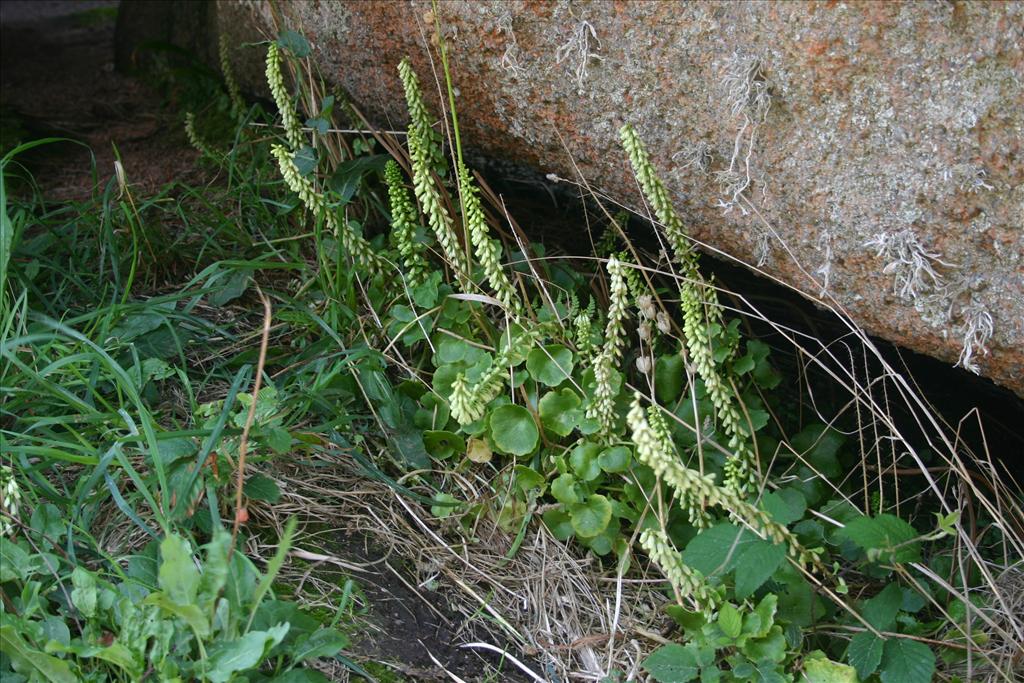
pixel 666 455
pixel 163 616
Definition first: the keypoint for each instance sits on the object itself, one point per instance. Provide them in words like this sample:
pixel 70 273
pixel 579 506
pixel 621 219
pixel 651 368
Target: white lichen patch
pixel 696 156
pixel 824 271
pixel 918 279
pixel 967 177
pixel 511 60
pixel 911 265
pixel 748 101
pixel 976 328
pixel 577 50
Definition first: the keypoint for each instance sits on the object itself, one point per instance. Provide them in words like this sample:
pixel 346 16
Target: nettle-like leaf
pixel 785 505
pixel 730 620
pixel 277 439
pixel 886 538
pixel 764 374
pixel 673 663
pixel 690 622
pixel 759 622
pixel 756 564
pixel 306 160
pixel 757 671
pixel 865 653
pixel 550 365
pixel 294 42
pixel 881 610
pixel 514 430
pixel 592 516
pixel 726 547
pixel 769 648
pixel 261 487
pixel 713 551
pixel 907 661
pixel 560 411
pixel 819 446
pixel 818 668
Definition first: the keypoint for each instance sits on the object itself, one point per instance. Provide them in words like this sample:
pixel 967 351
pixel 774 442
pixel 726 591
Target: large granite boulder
pixel 870 153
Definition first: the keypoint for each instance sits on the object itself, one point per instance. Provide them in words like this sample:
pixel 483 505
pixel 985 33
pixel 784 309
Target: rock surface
pixel 866 152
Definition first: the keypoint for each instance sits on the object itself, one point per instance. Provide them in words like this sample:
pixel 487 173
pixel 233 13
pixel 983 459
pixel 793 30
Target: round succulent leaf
pixel 564 489
pixel 615 459
pixel 433 412
pixel 591 517
pixel 514 430
pixel 603 543
pixel 559 524
pixel 669 376
pixel 476 370
pixel 550 365
pixel 527 478
pixel 623 510
pixel 589 425
pixel 615 380
pixel 584 460
pixel 449 349
pixel 444 505
pixel 443 445
pixel 512 334
pixel 455 311
pixel 444 377
pixel 600 545
pixel 560 411
pixel 478 450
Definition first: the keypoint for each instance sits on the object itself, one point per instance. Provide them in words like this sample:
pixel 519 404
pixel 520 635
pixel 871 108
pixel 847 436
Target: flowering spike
pixel 404 220
pixel 603 406
pixel 702 312
pixel 425 154
pixel 488 251
pixel 354 244
pixel 275 80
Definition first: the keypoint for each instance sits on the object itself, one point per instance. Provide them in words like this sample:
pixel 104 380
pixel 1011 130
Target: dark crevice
pixel 988 416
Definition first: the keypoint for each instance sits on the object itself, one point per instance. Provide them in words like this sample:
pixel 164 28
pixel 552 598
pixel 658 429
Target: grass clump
pixel 124 417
